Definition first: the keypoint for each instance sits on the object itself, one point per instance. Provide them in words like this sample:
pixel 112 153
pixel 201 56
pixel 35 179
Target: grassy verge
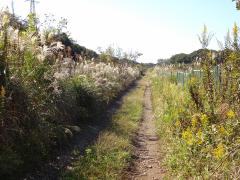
pixel 108 156
pixel 196 145
pixel 170 103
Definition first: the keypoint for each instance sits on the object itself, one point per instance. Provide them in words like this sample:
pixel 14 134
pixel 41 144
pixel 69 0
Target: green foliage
pixel 117 55
pixel 237 4
pixel 32 26
pixel 111 152
pixel 40 113
pixel 102 161
pixel 180 58
pixel 200 121
pixel 197 55
pixel 76 48
pixel 81 99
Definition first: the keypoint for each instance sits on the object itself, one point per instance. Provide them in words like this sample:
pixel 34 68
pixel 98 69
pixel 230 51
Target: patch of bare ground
pixel 146 163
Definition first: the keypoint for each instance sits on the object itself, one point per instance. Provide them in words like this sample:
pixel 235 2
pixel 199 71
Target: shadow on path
pixel 87 136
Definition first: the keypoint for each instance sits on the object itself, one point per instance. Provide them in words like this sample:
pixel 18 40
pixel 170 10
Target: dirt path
pixel 146 165
pixel 53 169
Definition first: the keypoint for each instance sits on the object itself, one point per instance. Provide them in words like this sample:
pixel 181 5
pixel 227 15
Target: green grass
pixel 110 154
pixel 186 156
pixel 170 104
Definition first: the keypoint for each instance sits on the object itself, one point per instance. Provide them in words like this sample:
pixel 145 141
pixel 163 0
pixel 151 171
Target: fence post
pixel 183 78
pixel 177 77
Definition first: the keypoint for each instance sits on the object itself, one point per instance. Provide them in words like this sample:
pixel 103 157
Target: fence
pixel 183 76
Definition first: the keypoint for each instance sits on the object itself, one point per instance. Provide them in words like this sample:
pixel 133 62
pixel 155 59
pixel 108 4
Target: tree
pixel 132 55
pixel 237 4
pixel 162 61
pixel 112 53
pixel 4 25
pixel 180 58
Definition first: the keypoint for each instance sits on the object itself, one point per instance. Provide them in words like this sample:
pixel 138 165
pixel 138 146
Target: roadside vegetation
pixel 111 153
pixel 199 122
pixel 50 87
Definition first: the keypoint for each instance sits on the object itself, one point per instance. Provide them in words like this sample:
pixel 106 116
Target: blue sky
pixel 157 28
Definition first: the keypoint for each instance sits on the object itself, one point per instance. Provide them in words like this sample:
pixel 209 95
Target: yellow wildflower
pixel 231 114
pixel 192 81
pixel 188 136
pixel 235 30
pixel 177 123
pixel 223 131
pixel 219 151
pixel 194 121
pixel 204 120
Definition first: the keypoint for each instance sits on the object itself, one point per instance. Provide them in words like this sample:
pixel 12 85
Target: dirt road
pixel 146 165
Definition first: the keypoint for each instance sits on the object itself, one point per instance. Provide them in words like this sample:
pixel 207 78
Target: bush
pixel 45 95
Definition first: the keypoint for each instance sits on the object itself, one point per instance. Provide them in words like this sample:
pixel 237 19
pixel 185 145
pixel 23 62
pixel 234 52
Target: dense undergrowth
pixel 46 96
pixel 199 122
pixel 111 152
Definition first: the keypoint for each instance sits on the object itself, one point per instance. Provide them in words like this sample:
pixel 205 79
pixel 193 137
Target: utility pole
pixel 12 4
pixel 33 10
pixel 33 6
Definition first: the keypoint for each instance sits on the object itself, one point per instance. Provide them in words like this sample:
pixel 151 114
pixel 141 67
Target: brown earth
pixel 146 164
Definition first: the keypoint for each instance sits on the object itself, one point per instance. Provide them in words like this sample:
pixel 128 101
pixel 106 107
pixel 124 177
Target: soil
pixel 146 164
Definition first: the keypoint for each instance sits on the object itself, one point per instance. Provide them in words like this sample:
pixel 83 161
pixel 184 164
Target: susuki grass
pixel 46 93
pixel 110 154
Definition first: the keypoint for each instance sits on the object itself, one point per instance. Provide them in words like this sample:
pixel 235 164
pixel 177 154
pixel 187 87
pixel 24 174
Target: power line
pixel 33 6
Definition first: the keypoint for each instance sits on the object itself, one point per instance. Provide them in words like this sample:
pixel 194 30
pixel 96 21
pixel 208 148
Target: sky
pixel 156 28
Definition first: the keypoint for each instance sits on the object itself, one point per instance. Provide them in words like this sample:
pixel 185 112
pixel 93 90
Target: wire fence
pixel 182 77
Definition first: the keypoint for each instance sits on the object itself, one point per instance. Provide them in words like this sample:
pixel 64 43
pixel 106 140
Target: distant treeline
pixel 195 56
pixel 76 49
pixel 78 52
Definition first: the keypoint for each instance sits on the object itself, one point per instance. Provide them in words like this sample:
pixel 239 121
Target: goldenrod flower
pixel 192 81
pixel 177 123
pixel 204 120
pixel 231 114
pixel 194 121
pixel 223 131
pixel 235 31
pixel 219 151
pixel 188 136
